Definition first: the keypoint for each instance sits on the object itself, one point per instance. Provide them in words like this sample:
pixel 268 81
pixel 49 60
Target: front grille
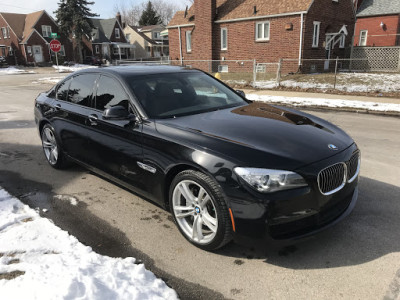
pixel 353 167
pixel 332 179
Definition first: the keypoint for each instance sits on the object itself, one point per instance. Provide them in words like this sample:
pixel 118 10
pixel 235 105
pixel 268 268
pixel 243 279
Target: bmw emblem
pixel 197 209
pixel 333 147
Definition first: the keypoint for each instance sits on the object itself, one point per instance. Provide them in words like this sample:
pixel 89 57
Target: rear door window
pixel 62 90
pixel 81 89
pixel 110 93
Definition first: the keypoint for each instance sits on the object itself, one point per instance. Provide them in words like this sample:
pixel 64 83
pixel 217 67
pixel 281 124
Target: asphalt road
pixel 357 259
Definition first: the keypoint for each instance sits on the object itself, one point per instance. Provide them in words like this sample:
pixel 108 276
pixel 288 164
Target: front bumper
pixel 294 213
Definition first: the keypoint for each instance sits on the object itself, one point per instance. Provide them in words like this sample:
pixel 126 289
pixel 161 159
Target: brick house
pixel 149 41
pixel 378 23
pixel 25 38
pixel 262 30
pixel 108 40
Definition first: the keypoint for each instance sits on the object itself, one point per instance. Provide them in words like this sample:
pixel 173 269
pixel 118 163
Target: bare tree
pixel 131 13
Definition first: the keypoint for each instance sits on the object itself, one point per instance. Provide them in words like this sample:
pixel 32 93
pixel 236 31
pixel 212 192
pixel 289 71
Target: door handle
pixel 93 119
pixel 57 106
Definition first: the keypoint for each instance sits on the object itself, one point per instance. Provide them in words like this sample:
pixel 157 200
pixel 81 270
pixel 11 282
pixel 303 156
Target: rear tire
pixel 51 148
pixel 199 210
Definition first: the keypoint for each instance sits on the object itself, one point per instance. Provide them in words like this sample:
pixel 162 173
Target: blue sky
pixel 105 8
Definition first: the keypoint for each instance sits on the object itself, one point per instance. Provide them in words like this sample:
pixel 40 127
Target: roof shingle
pixel 237 9
pixel 378 7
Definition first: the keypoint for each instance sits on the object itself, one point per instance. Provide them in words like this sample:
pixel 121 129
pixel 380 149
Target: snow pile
pixel 14 70
pixel 321 102
pixel 73 68
pixel 49 80
pixel 40 261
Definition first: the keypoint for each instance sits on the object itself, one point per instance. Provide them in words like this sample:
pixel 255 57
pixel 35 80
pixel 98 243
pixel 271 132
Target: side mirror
pixel 116 113
pixel 241 93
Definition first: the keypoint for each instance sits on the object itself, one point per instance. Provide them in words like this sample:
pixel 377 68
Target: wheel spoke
pixel 55 153
pixel 187 194
pixel 201 195
pixel 186 211
pixel 210 222
pixel 49 135
pixel 197 228
pixel 47 144
pixel 204 201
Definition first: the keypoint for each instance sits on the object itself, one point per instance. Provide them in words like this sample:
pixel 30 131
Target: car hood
pixel 285 137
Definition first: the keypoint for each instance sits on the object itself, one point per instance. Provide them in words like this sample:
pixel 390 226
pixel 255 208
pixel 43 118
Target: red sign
pixel 55 46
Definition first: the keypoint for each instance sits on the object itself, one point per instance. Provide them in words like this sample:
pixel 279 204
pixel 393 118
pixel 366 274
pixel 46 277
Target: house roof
pixel 237 9
pixel 103 29
pixel 378 7
pixel 139 31
pixel 150 27
pixel 16 22
pixel 22 24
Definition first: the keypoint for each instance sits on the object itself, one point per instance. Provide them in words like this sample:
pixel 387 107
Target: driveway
pixel 357 259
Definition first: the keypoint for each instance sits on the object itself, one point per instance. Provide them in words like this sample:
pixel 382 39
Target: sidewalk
pixel 361 104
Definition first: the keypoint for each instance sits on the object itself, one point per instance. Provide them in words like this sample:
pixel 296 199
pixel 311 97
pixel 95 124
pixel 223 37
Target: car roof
pixel 128 70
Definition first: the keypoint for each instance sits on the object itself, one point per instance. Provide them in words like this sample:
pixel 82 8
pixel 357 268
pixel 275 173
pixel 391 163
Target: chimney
pixel 119 18
pixel 202 36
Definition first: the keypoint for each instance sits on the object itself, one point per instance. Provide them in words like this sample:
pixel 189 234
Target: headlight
pixel 268 181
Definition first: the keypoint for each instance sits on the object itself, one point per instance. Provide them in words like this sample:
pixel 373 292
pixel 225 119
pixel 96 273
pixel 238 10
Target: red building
pixel 25 38
pixel 378 23
pixel 262 30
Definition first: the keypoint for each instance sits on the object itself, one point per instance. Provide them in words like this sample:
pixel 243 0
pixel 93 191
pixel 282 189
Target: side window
pixel 110 93
pixel 81 89
pixel 62 90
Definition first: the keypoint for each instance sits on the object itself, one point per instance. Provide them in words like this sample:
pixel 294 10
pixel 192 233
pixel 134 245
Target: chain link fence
pixel 351 75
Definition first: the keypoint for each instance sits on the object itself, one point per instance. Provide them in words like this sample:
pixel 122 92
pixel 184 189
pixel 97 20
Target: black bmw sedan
pixel 223 165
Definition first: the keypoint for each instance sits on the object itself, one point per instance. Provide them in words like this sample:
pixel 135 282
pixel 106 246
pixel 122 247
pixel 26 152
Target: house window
pixel 363 37
pixel 117 36
pixel 62 51
pixel 29 49
pixel 224 38
pixel 10 51
pixel 156 35
pixel 116 51
pixel 188 41
pixel 342 41
pixel 4 31
pixel 262 31
pixel 223 68
pixel 97 49
pixel 46 31
pixel 315 40
pixel 128 37
pixel 8 31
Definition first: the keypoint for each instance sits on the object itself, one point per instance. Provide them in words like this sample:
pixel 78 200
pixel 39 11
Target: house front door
pixel 106 53
pixel 38 54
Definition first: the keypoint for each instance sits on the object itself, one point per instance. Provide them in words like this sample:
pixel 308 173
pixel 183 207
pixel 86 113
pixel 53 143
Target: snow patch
pixel 320 102
pixel 14 70
pixel 48 263
pixel 73 68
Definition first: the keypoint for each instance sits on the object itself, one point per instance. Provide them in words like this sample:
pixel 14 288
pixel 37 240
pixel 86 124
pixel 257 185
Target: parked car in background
pixel 223 165
pixel 3 62
pixel 92 60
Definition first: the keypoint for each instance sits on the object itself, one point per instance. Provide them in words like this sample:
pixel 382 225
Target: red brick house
pixel 378 23
pixel 25 38
pixel 265 30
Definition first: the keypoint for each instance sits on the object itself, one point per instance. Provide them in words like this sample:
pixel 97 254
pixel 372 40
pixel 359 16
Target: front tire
pixel 199 210
pixel 51 148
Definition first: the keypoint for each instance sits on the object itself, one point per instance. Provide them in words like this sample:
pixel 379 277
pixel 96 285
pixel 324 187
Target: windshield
pixel 184 93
